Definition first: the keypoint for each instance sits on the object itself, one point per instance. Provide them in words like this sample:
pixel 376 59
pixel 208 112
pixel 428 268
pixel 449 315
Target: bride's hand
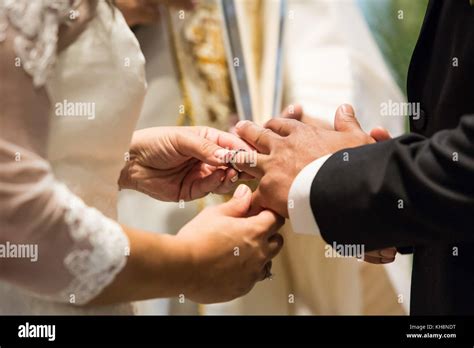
pixel 218 256
pixel 230 251
pixel 180 163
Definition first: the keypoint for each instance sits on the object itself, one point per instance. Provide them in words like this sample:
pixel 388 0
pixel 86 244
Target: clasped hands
pixel 224 248
pixel 285 145
pixel 181 163
pixel 186 163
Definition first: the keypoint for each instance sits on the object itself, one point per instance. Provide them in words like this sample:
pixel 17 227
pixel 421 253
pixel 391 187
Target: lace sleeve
pixel 51 243
pixel 38 23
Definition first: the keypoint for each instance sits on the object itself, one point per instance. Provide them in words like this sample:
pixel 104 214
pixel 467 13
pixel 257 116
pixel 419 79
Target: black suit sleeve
pixel 407 191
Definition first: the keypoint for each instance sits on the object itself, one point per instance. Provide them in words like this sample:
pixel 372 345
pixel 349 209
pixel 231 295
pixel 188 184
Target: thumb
pixel 194 145
pixel 345 119
pixel 380 134
pixel 239 204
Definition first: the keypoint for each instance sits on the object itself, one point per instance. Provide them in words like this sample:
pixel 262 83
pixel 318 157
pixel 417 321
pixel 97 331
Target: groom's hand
pixel 295 112
pixel 286 146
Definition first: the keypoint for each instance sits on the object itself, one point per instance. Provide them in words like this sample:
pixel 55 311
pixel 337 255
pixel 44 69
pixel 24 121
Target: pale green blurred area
pixel 396 37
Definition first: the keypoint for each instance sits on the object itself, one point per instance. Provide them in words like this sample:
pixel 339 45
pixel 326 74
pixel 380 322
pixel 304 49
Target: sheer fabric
pixel 58 167
pixel 79 250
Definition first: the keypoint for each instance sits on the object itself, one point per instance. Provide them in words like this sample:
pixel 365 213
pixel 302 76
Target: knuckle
pixel 265 185
pixel 262 257
pixel 246 226
pixel 279 239
pixel 269 123
pixel 262 228
pixel 252 232
pixel 245 124
pixel 294 123
pixel 204 131
pixel 266 132
pixel 261 224
pixel 262 135
pixel 206 146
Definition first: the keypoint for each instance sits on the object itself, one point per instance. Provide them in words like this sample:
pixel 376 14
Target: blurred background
pixel 396 38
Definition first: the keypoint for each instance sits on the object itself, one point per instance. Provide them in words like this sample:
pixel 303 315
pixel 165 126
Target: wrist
pixel 166 261
pixel 186 248
pixel 184 266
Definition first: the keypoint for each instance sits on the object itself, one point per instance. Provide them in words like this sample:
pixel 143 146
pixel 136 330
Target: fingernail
pixel 234 178
pixel 388 253
pixel 241 124
pixel 347 110
pixel 221 154
pixel 241 191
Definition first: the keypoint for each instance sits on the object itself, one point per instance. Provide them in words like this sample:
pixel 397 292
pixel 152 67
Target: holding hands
pixel 378 134
pixel 224 250
pixel 229 247
pixel 287 145
pixel 230 251
pixel 181 163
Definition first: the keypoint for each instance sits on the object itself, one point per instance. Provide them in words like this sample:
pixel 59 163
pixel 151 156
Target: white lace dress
pixel 64 200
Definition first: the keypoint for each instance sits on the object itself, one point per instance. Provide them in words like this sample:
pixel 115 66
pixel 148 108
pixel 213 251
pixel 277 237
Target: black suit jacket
pixel 418 190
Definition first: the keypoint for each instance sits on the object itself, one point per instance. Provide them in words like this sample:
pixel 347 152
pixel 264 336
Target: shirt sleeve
pixel 419 189
pixel 299 208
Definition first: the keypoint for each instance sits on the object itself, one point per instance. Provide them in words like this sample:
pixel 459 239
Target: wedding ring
pixel 232 159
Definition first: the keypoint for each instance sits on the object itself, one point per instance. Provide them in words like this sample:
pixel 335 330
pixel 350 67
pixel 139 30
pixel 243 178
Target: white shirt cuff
pixel 299 208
